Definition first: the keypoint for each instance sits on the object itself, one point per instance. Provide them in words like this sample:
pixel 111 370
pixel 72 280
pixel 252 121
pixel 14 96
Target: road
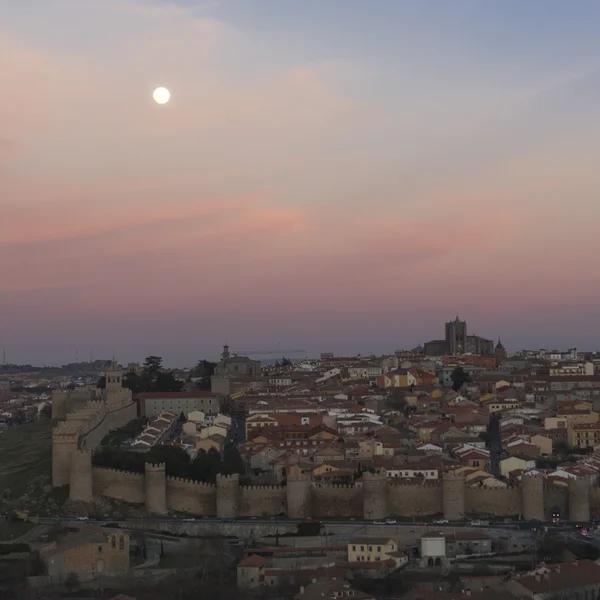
pixel 281 521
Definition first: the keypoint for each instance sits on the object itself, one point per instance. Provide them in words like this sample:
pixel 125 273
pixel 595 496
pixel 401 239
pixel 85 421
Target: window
pixel 121 543
pixel 99 549
pixel 113 542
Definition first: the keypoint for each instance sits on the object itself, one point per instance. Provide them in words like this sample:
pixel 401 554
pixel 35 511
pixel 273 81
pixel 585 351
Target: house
pixel 251 572
pixel 468 543
pixel 583 435
pixel 89 552
pixel 330 590
pixel 375 550
pixel 577 579
pixel 514 463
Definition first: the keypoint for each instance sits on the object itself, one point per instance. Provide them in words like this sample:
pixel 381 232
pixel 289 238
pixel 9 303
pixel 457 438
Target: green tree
pixel 101 383
pixel 204 370
pixel 459 378
pixel 153 365
pixel 134 382
pixel 166 382
pixel 286 362
pixel 232 461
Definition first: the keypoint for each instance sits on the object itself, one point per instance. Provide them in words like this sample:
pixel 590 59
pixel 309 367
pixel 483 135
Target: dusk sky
pixel 330 175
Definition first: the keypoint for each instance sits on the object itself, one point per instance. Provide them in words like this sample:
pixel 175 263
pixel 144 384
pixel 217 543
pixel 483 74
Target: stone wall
pixel 556 496
pixel 269 501
pixel 415 500
pixel 113 419
pixel 337 500
pixel 500 502
pixel 121 485
pixel 187 496
pixel 228 500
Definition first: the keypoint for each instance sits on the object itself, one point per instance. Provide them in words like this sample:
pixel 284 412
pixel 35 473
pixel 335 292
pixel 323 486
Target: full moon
pixel 161 95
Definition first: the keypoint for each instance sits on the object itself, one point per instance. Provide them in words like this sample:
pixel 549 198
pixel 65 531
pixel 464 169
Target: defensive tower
pixel 298 494
pixel 228 496
pixel 81 477
pixel 156 489
pixel 579 499
pixel 532 495
pixel 454 495
pixel 375 501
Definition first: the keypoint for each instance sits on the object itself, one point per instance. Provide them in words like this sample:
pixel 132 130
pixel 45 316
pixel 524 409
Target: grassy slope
pixel 25 453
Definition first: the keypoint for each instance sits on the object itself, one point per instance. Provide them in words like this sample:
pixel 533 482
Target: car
pixel 441 522
pixel 390 521
pixel 378 522
pixel 475 523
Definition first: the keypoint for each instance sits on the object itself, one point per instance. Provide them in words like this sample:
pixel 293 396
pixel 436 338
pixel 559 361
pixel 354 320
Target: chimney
pixel 302 589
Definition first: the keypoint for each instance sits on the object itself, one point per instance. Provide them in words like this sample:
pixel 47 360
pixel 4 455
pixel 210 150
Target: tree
pixel 204 370
pixel 134 382
pixel 101 383
pixel 459 378
pixel 166 382
pixel 153 365
pixel 232 461
pixel 286 362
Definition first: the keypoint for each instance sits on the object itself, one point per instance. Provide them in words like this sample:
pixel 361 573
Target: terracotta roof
pixel 562 577
pixel 253 561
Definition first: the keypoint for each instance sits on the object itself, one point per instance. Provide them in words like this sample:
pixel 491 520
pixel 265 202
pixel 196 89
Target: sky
pixel 329 175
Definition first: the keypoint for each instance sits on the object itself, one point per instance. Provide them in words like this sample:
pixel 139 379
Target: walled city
pixel 374 496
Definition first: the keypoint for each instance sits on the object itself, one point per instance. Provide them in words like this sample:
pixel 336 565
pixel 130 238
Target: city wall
pixel 374 498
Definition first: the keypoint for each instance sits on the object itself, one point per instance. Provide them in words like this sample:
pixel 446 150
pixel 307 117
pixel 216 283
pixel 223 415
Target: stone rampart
pixel 595 501
pixel 500 502
pixel 228 500
pixel 269 500
pixel 415 500
pixel 337 500
pixel 121 485
pixel 193 497
pixel 556 497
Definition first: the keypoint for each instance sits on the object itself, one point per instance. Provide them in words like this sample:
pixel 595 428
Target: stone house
pixel 251 572
pixel 464 543
pixel 332 589
pixel 577 580
pixel 88 553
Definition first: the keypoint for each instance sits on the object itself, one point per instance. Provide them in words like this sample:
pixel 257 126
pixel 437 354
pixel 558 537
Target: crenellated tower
pixel 81 477
pixel 375 500
pixel 298 493
pixel 579 499
pixel 532 496
pixel 228 496
pixel 454 495
pixel 64 444
pixel 156 489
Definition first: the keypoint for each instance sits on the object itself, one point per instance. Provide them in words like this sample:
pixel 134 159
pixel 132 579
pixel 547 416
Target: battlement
pixel 533 477
pixel 427 483
pixel 119 471
pixel 152 467
pixel 228 478
pixel 262 488
pixel 202 484
pixel 332 486
pixel 453 475
pixel 560 489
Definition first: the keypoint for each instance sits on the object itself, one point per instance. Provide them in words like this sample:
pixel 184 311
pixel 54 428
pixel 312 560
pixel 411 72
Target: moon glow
pixel 161 95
